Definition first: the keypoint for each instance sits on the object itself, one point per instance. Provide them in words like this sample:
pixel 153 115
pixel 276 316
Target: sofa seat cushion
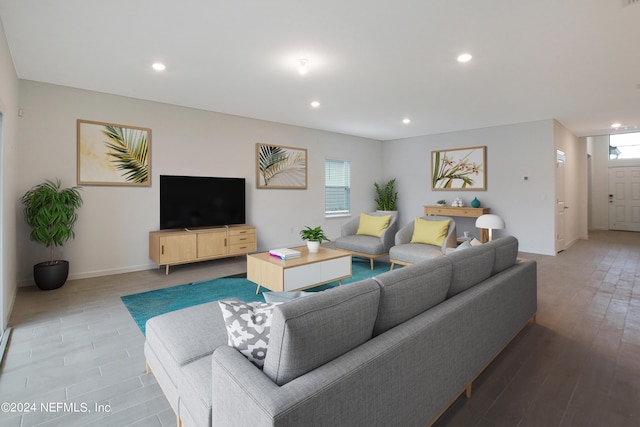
pixel 411 290
pixel 182 336
pixel 361 243
pixel 470 267
pixel 414 252
pixel 308 332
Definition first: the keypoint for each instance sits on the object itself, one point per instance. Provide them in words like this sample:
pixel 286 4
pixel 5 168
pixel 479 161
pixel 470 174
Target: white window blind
pixel 337 188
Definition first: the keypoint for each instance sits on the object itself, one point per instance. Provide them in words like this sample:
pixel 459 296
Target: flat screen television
pixel 201 202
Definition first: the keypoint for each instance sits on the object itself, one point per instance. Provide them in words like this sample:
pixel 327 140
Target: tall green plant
pixel 51 213
pixel 386 197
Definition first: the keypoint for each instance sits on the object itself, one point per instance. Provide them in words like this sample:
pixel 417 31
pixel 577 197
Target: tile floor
pixel 76 354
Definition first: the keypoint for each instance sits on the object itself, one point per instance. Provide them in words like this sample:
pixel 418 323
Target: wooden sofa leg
pixel 148 367
pixel 179 421
pixel 393 264
pixel 468 390
pixel 371 262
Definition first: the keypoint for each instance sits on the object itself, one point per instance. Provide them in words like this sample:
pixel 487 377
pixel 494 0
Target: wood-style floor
pixel 75 355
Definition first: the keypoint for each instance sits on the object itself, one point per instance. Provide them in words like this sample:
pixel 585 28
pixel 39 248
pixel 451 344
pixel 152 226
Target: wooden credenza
pixel 173 247
pixel 468 212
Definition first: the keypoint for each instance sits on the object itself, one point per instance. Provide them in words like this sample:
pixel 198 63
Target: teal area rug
pixel 145 305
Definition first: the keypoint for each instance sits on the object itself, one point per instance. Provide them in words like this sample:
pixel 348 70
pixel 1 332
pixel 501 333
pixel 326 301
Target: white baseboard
pixel 97 273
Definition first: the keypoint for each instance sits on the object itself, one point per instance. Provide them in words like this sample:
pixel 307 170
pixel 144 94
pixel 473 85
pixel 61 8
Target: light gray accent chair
pixel 406 253
pixel 363 246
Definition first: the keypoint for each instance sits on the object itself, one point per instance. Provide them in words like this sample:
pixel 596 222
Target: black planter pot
pixel 51 276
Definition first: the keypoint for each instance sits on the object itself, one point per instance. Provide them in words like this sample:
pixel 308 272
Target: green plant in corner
pixel 313 234
pixel 51 213
pixel 386 197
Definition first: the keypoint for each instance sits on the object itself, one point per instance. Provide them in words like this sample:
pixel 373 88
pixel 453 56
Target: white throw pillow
pixel 248 327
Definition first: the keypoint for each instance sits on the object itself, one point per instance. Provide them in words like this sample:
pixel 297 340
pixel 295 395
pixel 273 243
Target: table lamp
pixel 490 221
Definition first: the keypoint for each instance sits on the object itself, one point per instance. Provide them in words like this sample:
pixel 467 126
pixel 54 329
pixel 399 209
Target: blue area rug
pixel 145 305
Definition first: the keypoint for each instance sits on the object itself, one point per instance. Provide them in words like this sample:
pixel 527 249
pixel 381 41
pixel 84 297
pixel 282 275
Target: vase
pixel 313 246
pixel 475 203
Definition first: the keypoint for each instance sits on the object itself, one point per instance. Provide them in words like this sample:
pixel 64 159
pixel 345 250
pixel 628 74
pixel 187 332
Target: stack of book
pixel 284 253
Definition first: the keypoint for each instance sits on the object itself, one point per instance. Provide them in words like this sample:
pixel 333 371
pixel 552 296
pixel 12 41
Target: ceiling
pixel 370 64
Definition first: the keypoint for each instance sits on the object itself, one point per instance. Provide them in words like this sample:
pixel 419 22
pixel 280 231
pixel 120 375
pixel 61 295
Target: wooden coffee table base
pixel 311 269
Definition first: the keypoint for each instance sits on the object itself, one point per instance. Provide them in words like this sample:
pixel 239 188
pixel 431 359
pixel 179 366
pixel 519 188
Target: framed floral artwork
pixel 459 169
pixel 111 154
pixel 281 167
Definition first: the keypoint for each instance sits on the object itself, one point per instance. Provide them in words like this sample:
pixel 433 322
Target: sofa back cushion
pixel 506 253
pixel 309 332
pixel 470 267
pixel 409 291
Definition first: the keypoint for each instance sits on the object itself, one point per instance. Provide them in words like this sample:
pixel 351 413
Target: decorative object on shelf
pixel 51 213
pixel 110 154
pixel 459 169
pixel 457 203
pixel 281 167
pixel 314 237
pixel 490 222
pixel 475 203
pixel 386 198
pixel 441 202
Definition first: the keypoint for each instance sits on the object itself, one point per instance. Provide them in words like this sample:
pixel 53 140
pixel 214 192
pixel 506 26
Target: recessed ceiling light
pixel 303 66
pixel 159 66
pixel 406 121
pixel 465 57
pixel 616 125
pixel 315 104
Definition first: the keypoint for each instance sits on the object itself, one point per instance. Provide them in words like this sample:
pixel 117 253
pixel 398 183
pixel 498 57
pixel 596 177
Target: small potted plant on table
pixel 314 237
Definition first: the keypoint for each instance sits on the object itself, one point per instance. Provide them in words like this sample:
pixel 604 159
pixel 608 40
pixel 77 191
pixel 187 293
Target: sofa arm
pixel 388 236
pixel 350 227
pixel 404 234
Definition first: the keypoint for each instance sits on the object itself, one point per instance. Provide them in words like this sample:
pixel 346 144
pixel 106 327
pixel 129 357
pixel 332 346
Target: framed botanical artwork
pixel 459 169
pixel 111 154
pixel 281 167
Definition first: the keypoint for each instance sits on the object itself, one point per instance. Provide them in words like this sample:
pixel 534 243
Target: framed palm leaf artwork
pixel 459 169
pixel 281 167
pixel 111 154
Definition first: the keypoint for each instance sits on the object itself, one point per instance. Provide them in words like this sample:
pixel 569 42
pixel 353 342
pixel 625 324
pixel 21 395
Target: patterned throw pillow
pixel 248 326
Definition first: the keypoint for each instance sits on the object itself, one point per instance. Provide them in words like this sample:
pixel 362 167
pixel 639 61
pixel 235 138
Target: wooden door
pixel 212 243
pixel 177 247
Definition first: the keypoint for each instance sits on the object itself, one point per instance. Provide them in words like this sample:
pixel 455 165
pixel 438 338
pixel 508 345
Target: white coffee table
pixel 311 269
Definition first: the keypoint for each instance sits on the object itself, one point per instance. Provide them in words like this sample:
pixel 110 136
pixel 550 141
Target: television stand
pixel 174 247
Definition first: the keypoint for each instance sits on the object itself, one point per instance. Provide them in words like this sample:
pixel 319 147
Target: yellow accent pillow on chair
pixel 430 232
pixel 373 225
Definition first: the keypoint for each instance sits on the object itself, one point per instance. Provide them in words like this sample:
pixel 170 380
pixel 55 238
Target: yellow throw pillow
pixel 430 232
pixel 373 225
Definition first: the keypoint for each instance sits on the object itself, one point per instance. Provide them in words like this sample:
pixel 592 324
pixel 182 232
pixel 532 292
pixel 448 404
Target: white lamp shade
pixel 490 221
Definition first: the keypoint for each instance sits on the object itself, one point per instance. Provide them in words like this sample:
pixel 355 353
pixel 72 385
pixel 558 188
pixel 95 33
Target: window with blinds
pixel 337 187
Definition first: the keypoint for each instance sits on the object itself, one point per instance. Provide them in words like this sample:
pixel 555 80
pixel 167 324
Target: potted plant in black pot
pixel 314 237
pixel 51 212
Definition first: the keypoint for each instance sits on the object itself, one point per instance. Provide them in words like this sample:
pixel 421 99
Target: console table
pixel 468 212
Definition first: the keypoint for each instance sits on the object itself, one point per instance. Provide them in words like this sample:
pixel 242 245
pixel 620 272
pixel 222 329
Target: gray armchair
pixel 405 253
pixel 364 246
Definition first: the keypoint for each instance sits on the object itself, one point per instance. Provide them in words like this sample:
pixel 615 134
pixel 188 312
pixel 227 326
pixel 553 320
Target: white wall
pixel 8 184
pixel 513 152
pixel 576 188
pixel 114 222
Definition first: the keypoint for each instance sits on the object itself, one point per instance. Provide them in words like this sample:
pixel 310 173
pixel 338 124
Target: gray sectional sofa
pixel 396 349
